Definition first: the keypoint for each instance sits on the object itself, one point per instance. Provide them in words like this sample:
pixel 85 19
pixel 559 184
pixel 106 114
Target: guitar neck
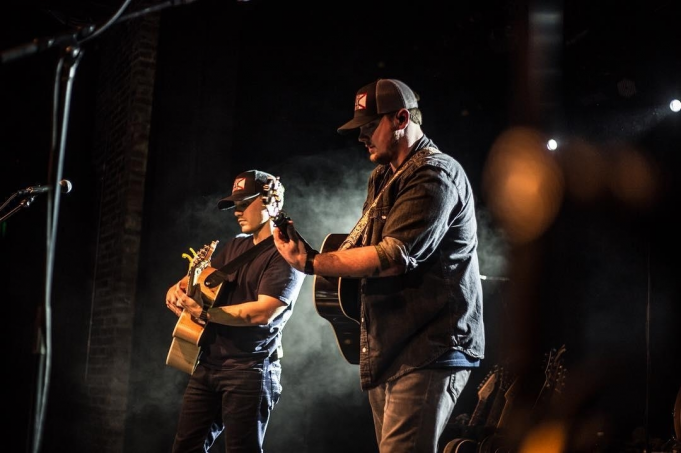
pixel 497 406
pixel 485 390
pixel 478 412
pixel 281 221
pixel 509 396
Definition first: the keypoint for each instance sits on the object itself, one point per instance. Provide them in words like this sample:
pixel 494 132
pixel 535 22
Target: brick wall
pixel 124 108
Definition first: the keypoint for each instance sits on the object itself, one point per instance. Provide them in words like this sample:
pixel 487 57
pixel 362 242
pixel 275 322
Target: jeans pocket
pixel 274 372
pixel 457 381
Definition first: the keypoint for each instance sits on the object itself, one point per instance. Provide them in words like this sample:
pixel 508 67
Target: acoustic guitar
pixel 184 349
pixel 337 300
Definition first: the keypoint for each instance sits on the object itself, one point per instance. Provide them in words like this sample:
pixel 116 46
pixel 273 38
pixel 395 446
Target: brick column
pixel 124 108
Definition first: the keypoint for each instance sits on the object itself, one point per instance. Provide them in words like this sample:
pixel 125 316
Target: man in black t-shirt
pixel 236 381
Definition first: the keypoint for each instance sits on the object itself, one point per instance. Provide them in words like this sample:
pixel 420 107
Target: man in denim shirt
pixel 415 253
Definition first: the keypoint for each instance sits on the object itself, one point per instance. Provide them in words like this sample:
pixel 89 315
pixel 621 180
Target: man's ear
pixel 401 117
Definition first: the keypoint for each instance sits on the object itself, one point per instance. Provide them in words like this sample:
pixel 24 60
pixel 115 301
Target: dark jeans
pixel 237 402
pixel 410 413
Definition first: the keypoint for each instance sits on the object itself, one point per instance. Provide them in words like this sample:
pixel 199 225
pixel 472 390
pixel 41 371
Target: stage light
pixel 552 145
pixel 675 105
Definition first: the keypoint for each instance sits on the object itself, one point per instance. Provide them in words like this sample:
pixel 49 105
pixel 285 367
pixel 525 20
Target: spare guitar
pixel 488 443
pixel 554 377
pixel 184 349
pixel 337 300
pixel 554 381
pixel 468 443
pixel 499 442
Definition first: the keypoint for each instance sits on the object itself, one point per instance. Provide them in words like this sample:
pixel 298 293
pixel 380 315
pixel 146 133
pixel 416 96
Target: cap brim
pixel 228 203
pixel 355 123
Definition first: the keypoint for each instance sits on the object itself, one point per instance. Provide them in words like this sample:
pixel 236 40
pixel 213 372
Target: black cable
pixel 648 360
pixel 112 20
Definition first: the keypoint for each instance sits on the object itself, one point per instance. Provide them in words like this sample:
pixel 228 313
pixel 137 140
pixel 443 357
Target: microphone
pixel 64 185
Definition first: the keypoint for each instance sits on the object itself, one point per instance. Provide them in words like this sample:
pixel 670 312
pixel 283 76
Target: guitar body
pixel 495 443
pixel 185 346
pixel 461 445
pixel 337 300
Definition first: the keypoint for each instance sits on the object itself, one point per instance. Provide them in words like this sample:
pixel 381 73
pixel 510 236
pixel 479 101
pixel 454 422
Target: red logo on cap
pixel 239 184
pixel 361 101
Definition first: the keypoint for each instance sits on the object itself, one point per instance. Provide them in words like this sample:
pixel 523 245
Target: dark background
pixel 264 84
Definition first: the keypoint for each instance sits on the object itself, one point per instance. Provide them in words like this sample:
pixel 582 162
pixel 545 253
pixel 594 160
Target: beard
pixel 385 157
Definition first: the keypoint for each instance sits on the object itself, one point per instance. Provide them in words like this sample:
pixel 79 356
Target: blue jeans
pixel 237 402
pixel 411 412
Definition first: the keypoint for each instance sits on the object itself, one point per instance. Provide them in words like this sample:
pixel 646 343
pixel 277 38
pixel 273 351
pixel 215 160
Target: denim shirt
pixel 425 220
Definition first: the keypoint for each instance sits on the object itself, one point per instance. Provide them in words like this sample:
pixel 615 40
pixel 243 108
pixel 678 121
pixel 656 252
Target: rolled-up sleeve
pixel 425 209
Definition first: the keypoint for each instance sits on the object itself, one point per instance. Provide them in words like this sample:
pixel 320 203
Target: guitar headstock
pixel 503 383
pixel 554 368
pixel 504 378
pixel 554 372
pixel 273 199
pixel 200 262
pixel 488 385
pixel 485 391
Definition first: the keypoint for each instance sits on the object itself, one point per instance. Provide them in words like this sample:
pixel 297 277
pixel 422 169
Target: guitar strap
pixel 361 225
pixel 220 275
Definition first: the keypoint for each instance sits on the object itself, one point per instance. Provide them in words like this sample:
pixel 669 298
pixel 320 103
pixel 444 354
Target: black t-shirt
pixel 268 273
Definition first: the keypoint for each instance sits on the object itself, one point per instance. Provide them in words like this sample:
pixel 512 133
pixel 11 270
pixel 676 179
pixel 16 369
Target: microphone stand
pixel 63 87
pixel 71 55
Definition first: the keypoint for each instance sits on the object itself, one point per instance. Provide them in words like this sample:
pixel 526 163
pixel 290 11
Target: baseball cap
pixel 378 98
pixel 247 185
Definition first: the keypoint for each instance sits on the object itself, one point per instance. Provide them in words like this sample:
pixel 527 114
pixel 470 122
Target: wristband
pixel 204 316
pixel 309 262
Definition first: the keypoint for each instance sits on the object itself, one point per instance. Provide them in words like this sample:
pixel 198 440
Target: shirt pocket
pixel 377 220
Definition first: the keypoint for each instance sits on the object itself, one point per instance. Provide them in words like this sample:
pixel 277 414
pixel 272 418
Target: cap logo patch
pixel 239 184
pixel 361 101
